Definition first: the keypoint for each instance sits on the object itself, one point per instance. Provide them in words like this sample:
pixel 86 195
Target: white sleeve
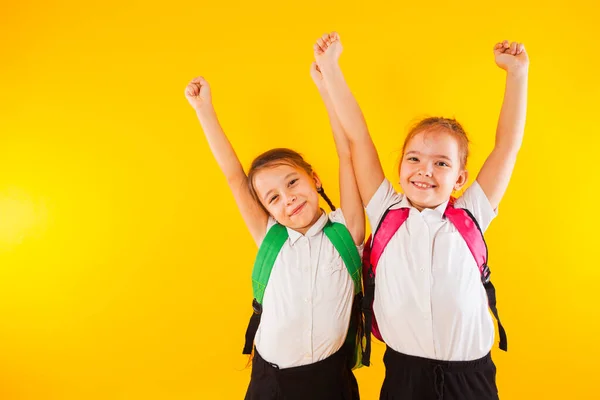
pixel 270 222
pixel 338 216
pixel 384 197
pixel 475 200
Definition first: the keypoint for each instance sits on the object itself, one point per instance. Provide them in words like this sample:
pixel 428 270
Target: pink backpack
pixel 392 220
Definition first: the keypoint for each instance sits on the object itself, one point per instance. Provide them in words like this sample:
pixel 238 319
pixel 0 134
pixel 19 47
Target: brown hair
pixel 451 126
pixel 276 157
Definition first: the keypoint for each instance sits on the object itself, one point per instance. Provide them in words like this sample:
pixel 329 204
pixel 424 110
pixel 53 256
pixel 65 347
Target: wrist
pixel 517 72
pixel 205 110
pixel 329 68
pixel 322 89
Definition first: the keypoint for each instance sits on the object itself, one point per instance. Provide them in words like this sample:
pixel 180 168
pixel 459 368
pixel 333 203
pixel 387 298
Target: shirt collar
pixel 405 203
pixel 312 231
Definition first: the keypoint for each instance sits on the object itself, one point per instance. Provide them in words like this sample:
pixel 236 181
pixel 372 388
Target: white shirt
pixel 429 299
pixel 307 302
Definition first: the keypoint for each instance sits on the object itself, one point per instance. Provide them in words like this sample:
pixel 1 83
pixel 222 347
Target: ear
pixel 463 177
pixel 317 180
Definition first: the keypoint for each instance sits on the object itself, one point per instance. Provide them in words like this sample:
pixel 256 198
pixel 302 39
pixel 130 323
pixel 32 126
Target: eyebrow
pixel 436 156
pixel 285 179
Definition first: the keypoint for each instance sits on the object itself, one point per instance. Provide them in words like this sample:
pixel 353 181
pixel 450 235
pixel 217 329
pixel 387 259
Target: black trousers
pixel 329 379
pixel 415 378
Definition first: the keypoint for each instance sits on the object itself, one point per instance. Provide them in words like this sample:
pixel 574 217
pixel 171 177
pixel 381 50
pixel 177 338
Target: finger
pixel 513 48
pixel 520 48
pixel 322 44
pixel 335 36
pixel 499 48
pixel 317 49
pixel 190 91
pixel 326 38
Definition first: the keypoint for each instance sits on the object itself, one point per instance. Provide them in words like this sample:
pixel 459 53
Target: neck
pixel 422 207
pixel 312 222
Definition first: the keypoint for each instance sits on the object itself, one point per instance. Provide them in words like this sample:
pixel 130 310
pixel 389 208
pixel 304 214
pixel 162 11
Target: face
pixel 430 169
pixel 290 195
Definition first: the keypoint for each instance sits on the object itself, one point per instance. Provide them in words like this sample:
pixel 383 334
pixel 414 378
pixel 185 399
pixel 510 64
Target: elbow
pixel 236 180
pixel 354 146
pixel 358 234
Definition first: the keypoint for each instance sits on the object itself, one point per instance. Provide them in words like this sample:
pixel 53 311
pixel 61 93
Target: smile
pixel 298 209
pixel 422 185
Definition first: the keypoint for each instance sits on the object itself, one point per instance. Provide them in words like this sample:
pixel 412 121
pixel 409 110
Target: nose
pixel 290 198
pixel 425 170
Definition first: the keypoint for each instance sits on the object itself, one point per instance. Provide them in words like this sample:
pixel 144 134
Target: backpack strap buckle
pixel 485 274
pixel 257 307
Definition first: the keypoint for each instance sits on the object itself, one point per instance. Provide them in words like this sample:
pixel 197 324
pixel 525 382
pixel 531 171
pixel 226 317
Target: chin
pixel 300 221
pixel 426 200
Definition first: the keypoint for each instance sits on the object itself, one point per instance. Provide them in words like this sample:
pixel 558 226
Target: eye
pixel 442 164
pixel 272 199
pixel 413 159
pixel 292 182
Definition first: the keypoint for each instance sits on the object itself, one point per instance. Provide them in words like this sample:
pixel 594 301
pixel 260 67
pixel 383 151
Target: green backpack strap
pixel 265 259
pixel 263 265
pixel 342 240
pixel 274 240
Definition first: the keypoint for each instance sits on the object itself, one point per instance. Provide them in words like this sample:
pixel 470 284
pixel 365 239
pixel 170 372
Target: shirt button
pixel 307 300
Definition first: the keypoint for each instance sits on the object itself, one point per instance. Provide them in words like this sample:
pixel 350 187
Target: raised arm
pixel 367 167
pixel 497 169
pixel 349 196
pixel 198 94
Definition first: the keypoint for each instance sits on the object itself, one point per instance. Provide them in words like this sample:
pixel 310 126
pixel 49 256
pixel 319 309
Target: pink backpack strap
pixel 467 226
pixel 390 222
pixel 469 229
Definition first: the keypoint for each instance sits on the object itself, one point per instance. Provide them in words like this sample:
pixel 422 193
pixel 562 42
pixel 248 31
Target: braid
pixel 321 191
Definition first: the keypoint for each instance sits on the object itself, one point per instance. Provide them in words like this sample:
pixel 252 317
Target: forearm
pixel 219 145
pixel 345 105
pixel 341 142
pixel 511 123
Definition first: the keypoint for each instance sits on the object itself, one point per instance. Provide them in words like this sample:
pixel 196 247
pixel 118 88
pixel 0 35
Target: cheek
pixel 275 211
pixel 449 178
pixel 308 191
pixel 313 197
pixel 406 171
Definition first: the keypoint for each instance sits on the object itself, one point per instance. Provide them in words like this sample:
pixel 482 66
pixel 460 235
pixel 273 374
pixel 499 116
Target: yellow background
pixel 124 264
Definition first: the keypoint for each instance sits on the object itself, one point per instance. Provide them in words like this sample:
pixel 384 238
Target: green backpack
pixel 341 239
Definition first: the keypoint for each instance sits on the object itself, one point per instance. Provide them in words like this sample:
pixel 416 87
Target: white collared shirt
pixel 307 302
pixel 429 299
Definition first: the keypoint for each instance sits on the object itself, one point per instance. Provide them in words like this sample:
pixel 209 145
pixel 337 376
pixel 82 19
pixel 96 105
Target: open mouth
pixel 298 209
pixel 422 185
